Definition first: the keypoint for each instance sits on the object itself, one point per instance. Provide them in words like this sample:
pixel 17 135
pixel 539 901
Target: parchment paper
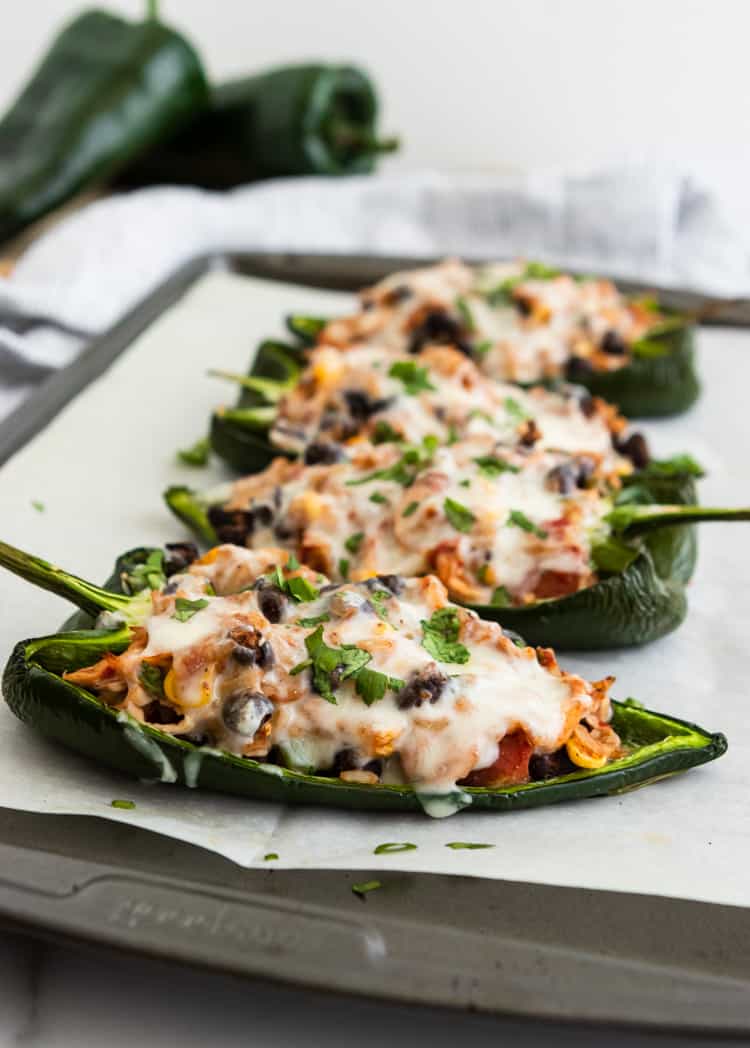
pixel 100 468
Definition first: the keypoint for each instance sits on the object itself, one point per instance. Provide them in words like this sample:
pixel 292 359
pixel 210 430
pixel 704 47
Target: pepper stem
pixel 189 507
pixel 260 418
pixel 272 390
pixel 345 135
pixel 152 10
pixel 85 595
pixel 635 519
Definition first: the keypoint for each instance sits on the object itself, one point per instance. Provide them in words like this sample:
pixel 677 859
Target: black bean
pixel 352 760
pixel 245 712
pixel 159 713
pixel 262 516
pixel 614 344
pixel 588 406
pixel 425 685
pixel 579 369
pixel 524 305
pixel 586 468
pixel 179 555
pixel 636 449
pixel 277 496
pixel 233 525
pixel 286 532
pixel 394 583
pixel 530 433
pixel 346 760
pixel 250 649
pixel 271 601
pixel 362 406
pixel 171 587
pixel 439 327
pixel 550 765
pixel 562 478
pixel 322 453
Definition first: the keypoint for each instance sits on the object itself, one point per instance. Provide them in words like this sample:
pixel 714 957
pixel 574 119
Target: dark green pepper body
pixel 105 91
pixel 35 691
pixel 659 380
pixel 295 120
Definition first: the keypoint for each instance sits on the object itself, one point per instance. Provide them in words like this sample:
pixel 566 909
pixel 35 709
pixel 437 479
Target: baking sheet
pixel 99 470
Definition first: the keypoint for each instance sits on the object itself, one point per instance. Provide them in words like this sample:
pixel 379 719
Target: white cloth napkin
pixel 98 263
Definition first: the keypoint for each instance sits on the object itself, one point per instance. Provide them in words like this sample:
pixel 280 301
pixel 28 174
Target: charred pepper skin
pixel 36 693
pixel 295 120
pixel 106 90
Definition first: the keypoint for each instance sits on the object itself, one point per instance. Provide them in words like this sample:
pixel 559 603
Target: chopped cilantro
pixel 515 411
pixel 296 587
pixel 270 856
pixel 353 543
pixel 366 886
pixel 460 517
pixel 391 847
pixel 492 466
pixel 379 497
pixel 464 311
pixel 478 413
pixel 470 845
pixel 384 433
pixel 185 609
pixel 440 637
pixel 517 519
pixel 148 575
pixel 151 679
pixel 38 506
pixel 314 620
pixel 405 470
pixel 466 483
pixel 209 590
pixel 197 455
pixel 344 568
pixel 414 378
pixel 411 508
pixel 300 589
pixel 453 435
pixel 540 271
pixel 378 599
pixel 372 685
pixel 500 598
pixel 483 347
pixel 330 666
pixel 125 805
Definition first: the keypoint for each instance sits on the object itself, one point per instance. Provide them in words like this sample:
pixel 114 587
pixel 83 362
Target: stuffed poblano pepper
pixel 106 90
pixel 248 673
pixel 551 543
pixel 525 323
pixel 333 398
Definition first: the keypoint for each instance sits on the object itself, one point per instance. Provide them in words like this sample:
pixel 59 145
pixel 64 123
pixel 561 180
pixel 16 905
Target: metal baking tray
pixel 508 948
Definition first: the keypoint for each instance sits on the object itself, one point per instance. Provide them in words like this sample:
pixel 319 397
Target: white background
pixel 487 84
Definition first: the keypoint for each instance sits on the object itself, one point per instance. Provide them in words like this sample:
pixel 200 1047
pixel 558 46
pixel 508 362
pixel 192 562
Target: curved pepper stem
pixel 260 418
pixel 85 595
pixel 192 509
pixel 636 519
pixel 272 390
pixel 152 10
